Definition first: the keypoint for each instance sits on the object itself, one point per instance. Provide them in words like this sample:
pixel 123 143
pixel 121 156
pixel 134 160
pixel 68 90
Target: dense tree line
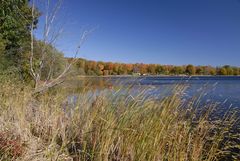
pixel 86 67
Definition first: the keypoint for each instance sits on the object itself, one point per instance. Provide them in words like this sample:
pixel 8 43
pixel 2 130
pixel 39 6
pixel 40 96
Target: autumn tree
pixel 115 69
pixel 100 68
pixel 142 68
pixel 129 68
pixel 109 68
pixel 200 70
pixel 79 67
pixel 80 63
pixel 151 69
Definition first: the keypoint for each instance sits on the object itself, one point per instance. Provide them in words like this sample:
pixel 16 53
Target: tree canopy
pixel 15 21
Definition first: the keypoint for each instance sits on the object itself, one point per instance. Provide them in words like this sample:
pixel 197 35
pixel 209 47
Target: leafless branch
pixel 50 36
pixel 32 41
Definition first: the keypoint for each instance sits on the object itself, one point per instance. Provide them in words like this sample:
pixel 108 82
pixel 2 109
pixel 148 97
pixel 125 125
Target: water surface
pixel 224 89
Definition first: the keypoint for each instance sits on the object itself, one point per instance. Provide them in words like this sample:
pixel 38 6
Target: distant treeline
pixel 86 67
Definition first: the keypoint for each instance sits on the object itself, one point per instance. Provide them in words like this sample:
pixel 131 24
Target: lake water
pixel 222 89
pixel 218 88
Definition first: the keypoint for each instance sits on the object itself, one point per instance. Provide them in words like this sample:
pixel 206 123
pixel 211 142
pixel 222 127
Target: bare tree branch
pixel 32 39
pixel 50 36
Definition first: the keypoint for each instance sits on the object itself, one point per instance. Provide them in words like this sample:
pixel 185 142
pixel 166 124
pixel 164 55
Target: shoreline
pixel 142 76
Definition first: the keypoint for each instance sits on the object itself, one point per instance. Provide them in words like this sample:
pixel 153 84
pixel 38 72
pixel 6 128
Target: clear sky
pixel 199 32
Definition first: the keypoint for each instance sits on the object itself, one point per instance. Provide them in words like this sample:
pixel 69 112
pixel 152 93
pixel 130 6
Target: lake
pixel 223 90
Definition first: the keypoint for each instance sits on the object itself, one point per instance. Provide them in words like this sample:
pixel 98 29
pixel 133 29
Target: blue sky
pixel 199 32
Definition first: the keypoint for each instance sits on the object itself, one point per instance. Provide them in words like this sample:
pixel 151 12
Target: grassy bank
pixel 108 126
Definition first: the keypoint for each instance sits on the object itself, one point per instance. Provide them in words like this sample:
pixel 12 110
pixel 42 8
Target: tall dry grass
pixel 108 126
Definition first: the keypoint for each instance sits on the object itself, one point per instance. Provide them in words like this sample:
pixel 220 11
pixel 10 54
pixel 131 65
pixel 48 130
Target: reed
pixel 109 125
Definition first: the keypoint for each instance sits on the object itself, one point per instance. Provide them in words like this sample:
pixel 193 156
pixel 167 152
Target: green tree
pixel 122 70
pixel 230 71
pixel 2 49
pixel 80 63
pixel 54 62
pixel 100 68
pixel 79 67
pixel 116 69
pixel 15 21
pixel 159 69
pixel 177 70
pixel 223 71
pixel 2 45
pixel 212 71
pixel 190 69
pixel 90 72
pixel 236 71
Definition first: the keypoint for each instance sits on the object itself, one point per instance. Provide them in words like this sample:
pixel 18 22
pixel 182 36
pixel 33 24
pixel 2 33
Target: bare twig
pixel 50 36
pixel 32 39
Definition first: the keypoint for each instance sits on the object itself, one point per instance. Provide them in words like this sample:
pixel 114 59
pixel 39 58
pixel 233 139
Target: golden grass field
pixel 109 127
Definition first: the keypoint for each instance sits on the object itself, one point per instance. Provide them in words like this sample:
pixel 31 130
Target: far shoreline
pixel 142 76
